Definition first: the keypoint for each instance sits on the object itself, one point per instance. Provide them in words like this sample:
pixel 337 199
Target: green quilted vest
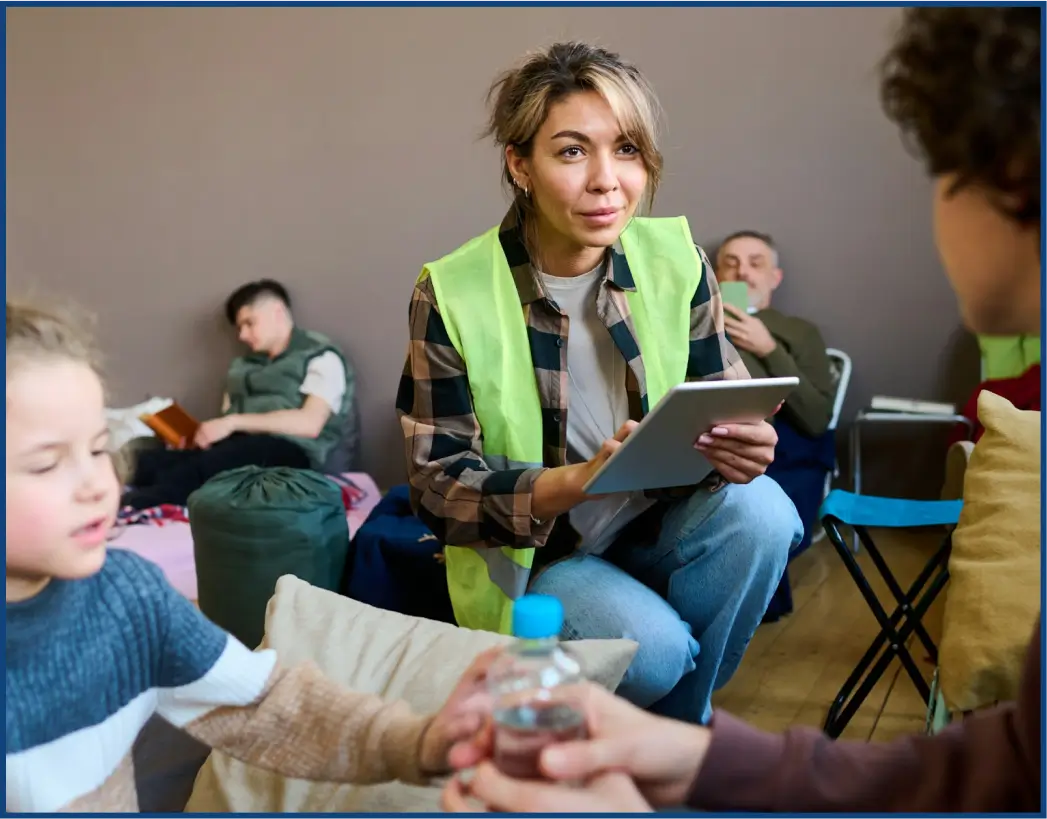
pixel 257 384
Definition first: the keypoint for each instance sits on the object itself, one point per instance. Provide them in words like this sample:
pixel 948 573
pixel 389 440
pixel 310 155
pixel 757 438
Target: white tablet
pixel 660 452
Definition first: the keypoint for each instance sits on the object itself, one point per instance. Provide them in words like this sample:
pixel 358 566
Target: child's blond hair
pixel 39 333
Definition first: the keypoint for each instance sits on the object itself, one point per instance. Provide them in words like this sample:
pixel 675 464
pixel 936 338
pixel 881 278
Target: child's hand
pixel 462 716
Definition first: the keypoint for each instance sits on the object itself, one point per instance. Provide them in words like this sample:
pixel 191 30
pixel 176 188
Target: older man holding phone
pixel 771 343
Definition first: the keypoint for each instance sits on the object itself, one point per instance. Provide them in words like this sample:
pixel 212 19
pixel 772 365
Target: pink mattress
pixel 170 545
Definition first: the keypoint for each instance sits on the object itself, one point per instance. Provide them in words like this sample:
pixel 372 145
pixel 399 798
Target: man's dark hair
pixel 250 293
pixel 964 86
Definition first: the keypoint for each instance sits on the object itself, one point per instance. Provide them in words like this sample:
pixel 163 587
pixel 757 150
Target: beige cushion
pixel 370 650
pixel 993 596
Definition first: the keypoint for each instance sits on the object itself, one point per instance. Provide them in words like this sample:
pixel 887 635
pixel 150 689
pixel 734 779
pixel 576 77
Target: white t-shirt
pixel 597 403
pixel 325 378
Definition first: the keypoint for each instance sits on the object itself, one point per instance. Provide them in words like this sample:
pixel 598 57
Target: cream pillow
pixel 993 596
pixel 371 650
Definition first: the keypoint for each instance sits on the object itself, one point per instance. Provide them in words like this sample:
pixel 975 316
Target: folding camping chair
pixel 860 513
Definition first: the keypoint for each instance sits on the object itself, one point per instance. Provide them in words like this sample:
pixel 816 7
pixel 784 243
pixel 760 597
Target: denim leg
pixel 602 602
pixel 717 561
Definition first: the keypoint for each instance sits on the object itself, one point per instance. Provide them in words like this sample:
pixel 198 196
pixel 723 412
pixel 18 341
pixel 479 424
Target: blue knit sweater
pixel 90 661
pixel 82 650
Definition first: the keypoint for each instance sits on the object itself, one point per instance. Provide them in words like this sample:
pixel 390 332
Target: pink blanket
pixel 170 544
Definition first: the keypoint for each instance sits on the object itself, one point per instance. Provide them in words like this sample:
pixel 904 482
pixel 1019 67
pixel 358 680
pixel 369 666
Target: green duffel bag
pixel 251 526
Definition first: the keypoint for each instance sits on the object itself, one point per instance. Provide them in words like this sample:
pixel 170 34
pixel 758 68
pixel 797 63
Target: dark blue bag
pixel 800 466
pixel 396 562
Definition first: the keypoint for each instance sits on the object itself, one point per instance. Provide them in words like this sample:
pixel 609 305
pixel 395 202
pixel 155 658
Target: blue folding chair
pixel 860 513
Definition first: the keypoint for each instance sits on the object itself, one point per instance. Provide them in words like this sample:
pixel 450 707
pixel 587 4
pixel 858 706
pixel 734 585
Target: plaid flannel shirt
pixel 452 490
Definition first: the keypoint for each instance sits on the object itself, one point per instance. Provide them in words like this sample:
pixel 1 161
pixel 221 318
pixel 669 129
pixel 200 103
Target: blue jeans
pixel 691 592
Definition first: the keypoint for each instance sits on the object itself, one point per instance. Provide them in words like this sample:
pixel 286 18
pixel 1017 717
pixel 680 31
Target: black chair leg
pixel 906 600
pixel 895 629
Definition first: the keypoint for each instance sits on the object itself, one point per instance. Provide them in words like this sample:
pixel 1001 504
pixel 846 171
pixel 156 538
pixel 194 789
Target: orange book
pixel 176 427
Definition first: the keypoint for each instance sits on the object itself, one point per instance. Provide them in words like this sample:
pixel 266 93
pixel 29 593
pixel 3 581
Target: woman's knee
pixel 759 521
pixel 666 652
pixel 748 535
pixel 601 602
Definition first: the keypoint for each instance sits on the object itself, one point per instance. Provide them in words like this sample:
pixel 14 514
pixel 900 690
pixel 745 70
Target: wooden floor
pixel 795 667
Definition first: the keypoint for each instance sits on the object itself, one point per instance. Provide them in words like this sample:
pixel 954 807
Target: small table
pixel 867 416
pixel 870 416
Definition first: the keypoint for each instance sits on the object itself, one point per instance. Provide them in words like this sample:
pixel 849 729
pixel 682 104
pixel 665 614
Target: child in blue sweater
pixel 97 641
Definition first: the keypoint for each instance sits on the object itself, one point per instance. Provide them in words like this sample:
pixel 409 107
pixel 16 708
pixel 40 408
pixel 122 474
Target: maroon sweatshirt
pixel 986 763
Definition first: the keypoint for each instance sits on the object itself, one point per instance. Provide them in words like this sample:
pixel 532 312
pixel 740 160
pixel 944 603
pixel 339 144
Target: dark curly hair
pixel 964 86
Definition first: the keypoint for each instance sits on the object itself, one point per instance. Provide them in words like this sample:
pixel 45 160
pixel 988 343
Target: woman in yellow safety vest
pixel 534 350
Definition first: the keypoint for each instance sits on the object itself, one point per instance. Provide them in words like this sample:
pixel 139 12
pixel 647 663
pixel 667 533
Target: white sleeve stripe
pixel 47 777
pixel 238 677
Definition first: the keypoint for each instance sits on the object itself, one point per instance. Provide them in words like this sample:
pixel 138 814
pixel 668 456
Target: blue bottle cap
pixel 537 617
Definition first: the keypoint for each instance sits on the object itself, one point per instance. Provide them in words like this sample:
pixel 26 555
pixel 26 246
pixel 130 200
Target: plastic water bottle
pixel 532 709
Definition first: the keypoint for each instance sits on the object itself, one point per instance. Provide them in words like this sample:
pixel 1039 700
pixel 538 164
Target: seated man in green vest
pixel 285 404
pixel 772 344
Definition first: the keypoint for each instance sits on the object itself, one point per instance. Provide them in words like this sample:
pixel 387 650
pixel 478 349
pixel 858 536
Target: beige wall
pixel 157 158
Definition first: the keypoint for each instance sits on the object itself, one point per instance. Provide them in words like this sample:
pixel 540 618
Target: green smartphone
pixel 736 294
